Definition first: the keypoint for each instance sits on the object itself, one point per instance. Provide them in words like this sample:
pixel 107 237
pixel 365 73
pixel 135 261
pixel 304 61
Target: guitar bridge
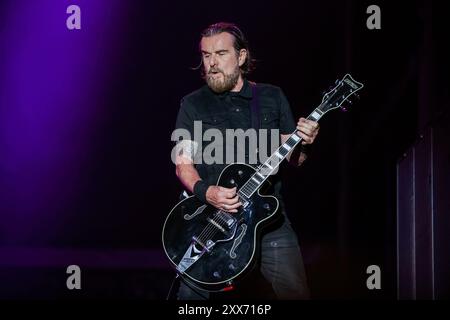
pixel 206 247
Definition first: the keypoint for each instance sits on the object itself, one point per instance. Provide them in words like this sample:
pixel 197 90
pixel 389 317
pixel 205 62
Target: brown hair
pixel 240 42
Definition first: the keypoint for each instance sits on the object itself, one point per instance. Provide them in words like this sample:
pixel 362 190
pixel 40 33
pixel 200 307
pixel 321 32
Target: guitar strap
pixel 254 107
pixel 255 112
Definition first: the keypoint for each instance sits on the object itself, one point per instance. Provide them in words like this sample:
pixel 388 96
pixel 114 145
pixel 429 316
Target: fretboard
pixel 272 163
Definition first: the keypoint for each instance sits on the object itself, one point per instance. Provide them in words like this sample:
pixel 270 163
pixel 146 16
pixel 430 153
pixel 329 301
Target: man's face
pixel 221 62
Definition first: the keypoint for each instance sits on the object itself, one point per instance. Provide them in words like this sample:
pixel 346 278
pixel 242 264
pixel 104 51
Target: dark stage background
pixel 86 118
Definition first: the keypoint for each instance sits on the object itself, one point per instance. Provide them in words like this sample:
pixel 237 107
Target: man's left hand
pixel 308 130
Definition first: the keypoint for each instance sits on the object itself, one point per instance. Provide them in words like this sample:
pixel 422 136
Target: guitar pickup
pixel 216 224
pixel 226 218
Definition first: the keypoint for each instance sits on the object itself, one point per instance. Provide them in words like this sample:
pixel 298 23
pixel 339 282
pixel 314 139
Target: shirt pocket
pixel 270 120
pixel 217 121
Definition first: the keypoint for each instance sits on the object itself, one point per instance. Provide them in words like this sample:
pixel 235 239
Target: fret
pixel 252 185
pixel 273 162
pixel 283 151
pixel 294 137
pixel 259 174
pixel 292 141
pixel 257 181
pixel 265 171
pixel 315 115
pixel 246 191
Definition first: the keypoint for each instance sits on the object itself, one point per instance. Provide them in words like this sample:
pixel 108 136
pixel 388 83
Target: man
pixel 224 103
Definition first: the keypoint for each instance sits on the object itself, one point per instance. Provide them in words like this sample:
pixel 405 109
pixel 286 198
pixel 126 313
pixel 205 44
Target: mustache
pixel 214 70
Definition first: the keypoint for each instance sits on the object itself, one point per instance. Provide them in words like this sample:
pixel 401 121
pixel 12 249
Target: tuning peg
pixel 357 96
pixel 343 108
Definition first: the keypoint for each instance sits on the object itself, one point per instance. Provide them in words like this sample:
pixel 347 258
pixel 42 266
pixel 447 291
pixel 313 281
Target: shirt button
pixel 237 110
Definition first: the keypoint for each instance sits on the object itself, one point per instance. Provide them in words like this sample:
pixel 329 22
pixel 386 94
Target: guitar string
pixel 219 217
pixel 207 230
pixel 213 230
pixel 210 230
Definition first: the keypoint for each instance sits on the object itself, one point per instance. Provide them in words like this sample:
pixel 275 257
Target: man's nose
pixel 212 60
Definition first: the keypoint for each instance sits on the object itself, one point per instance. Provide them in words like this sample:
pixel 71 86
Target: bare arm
pixel 186 172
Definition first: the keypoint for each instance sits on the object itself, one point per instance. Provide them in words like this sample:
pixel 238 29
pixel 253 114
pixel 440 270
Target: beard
pixel 222 84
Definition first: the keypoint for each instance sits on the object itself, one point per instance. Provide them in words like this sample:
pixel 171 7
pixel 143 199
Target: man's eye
pixel 206 56
pixel 221 53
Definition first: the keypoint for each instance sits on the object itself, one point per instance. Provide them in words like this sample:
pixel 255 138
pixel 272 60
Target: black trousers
pixel 280 273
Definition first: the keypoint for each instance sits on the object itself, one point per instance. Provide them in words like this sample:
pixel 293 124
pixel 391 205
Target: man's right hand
pixel 223 198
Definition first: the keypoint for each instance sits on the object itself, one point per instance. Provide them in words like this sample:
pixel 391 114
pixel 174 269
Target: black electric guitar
pixel 211 249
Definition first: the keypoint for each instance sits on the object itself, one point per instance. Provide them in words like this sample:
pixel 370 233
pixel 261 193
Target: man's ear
pixel 242 57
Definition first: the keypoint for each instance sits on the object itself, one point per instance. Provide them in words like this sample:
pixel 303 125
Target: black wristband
pixel 200 188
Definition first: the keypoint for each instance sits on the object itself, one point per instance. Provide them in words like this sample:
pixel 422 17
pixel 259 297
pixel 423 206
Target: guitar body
pixel 210 248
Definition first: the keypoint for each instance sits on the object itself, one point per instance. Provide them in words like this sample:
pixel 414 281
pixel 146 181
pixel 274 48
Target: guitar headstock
pixel 345 88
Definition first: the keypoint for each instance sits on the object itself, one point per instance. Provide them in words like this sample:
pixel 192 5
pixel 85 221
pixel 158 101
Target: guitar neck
pixel 272 163
pixel 333 99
